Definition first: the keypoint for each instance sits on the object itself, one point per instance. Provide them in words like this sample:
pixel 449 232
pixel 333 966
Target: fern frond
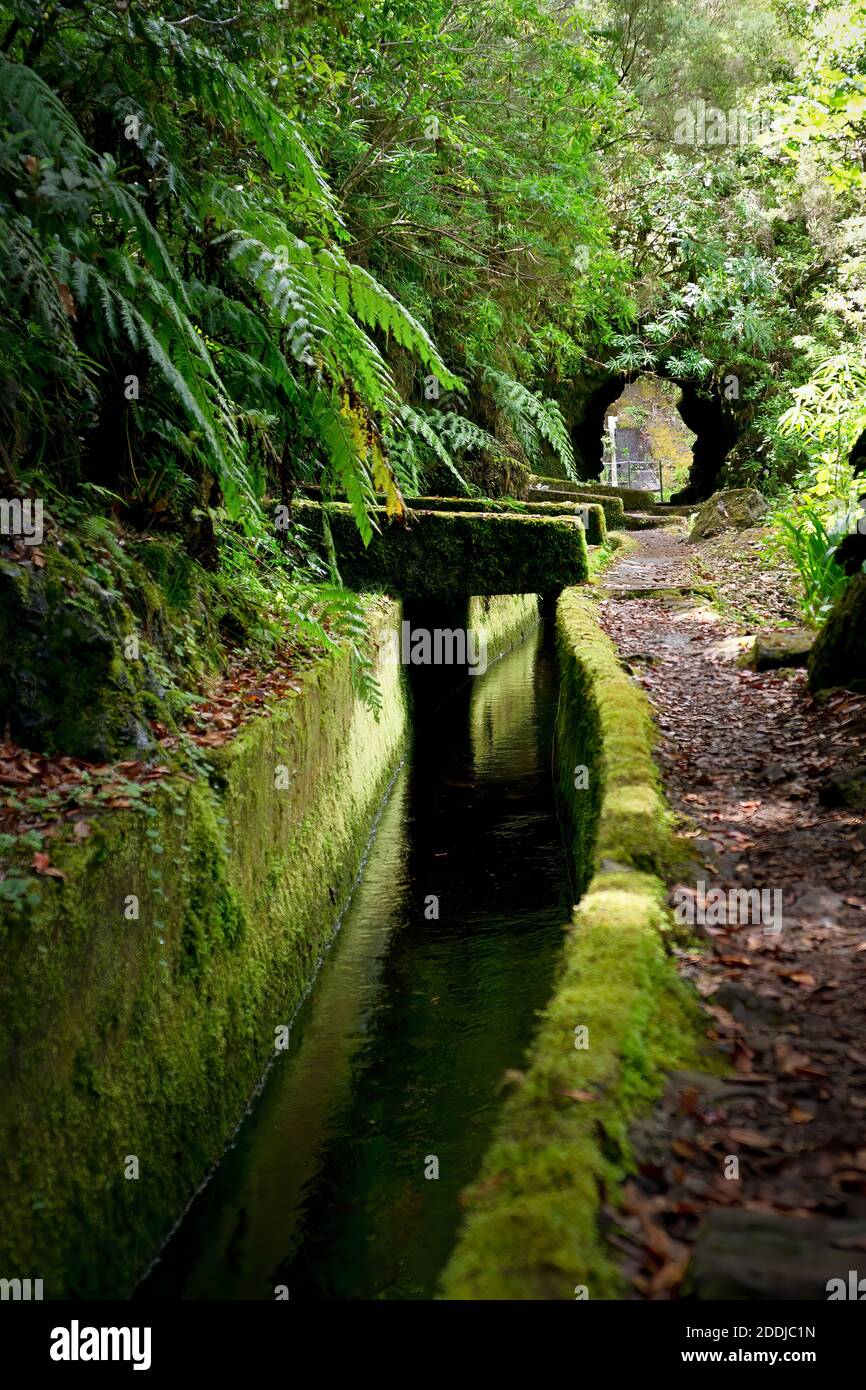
pixel 533 417
pixel 28 104
pixel 203 73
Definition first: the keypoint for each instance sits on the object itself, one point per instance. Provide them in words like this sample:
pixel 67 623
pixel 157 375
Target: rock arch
pixel 713 420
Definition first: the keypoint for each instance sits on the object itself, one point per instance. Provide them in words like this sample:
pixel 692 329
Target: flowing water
pixel 396 1058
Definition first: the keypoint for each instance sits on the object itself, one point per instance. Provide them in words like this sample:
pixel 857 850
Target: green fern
pixel 533 418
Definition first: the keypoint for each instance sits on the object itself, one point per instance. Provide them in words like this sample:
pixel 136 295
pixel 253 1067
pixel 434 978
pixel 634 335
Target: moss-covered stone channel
pixel 459 958
pixel 345 1177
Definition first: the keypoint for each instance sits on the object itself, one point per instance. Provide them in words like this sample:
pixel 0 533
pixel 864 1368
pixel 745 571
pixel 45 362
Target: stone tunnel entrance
pixel 647 444
pixel 707 417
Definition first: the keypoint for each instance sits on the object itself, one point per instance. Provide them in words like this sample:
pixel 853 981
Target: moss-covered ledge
pixel 839 654
pixel 532 1225
pixel 139 1000
pixel 450 555
pixel 629 496
pixel 591 514
pixel 548 490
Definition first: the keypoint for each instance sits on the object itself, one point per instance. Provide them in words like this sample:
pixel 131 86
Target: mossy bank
pixel 618 1019
pixel 142 998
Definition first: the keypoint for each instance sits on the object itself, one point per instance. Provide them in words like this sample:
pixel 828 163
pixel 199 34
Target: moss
pixel 532 1226
pixel 612 507
pixel 591 514
pixel 601 557
pixel 605 723
pixel 629 496
pixel 448 556
pixel 839 654
pixel 69 681
pixel 733 510
pixel 64 684
pixel 502 620
pixel 147 1036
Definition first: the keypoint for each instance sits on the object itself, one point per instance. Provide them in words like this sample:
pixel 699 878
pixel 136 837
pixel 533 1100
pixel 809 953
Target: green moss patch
pixel 502 620
pixel 64 682
pixel 532 1226
pixel 614 511
pixel 102 632
pixel 448 556
pixel 144 1035
pixel 839 654
pixel 629 496
pixel 590 513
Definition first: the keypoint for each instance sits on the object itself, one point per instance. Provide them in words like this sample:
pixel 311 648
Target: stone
pixel 821 906
pixel 763 1255
pixel 727 648
pixel 847 788
pixel 773 650
pixel 734 510
pixel 647 521
pixel 748 1007
pixel 838 657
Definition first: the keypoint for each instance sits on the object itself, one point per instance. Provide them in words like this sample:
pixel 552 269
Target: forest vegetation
pixel 246 247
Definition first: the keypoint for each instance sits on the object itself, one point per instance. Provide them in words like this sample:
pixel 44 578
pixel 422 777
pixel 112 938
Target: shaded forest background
pixel 247 246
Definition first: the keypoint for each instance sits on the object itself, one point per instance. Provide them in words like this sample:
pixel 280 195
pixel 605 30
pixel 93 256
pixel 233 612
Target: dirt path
pixel 744 757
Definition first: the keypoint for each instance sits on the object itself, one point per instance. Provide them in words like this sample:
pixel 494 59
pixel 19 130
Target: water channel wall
pixel 132 1044
pixel 619 1017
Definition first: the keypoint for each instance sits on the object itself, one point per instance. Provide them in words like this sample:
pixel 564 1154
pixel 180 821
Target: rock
pixel 821 906
pixel 727 648
pixel 64 683
pixel 651 1133
pixel 846 789
pixel 748 1007
pixel 839 654
pixel 763 1255
pixel 734 510
pixel 773 650
pixel 650 658
pixel 775 772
